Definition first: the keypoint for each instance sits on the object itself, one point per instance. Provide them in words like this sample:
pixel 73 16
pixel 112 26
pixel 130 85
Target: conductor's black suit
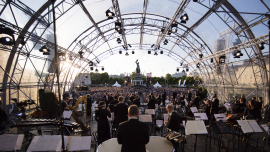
pixel 133 135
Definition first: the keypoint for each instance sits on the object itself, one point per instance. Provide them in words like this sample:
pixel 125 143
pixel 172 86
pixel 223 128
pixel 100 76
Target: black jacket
pixel 215 105
pixel 3 118
pixel 174 95
pixel 133 135
pixel 151 104
pixel 120 113
pixel 173 121
pixel 112 105
pixel 137 102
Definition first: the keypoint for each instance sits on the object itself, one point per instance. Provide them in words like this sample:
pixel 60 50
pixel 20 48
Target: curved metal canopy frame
pixel 179 39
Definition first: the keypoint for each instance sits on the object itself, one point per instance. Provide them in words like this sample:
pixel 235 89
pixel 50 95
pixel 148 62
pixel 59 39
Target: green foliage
pixel 41 99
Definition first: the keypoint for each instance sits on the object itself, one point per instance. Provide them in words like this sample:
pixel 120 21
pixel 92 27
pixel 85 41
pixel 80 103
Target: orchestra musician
pixel 64 104
pixel 215 104
pixel 152 102
pixel 133 134
pixel 137 101
pixel 103 124
pixel 120 111
pixel 173 120
pixel 207 109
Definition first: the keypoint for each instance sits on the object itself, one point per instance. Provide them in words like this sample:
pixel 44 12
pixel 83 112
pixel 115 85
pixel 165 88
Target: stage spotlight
pixel 70 58
pixel 238 54
pixel 45 50
pixel 195 0
pixel 165 42
pixel 198 65
pixel 177 69
pixel 133 52
pixel 184 18
pixel 110 14
pixel 181 63
pixel 262 46
pixel 169 32
pixel 152 45
pixel 96 70
pixel 22 40
pixel 120 52
pixel 102 68
pixel 91 63
pixel 117 26
pixel 187 69
pixel 222 59
pixel 162 29
pixel 158 46
pixel 118 40
pixel 126 54
pixel 129 45
pixel 161 52
pixel 200 55
pixel 149 52
pixel 81 54
pixel 155 54
pixel 211 60
pixel 183 71
pixel 91 68
pixel 6 41
pixel 174 28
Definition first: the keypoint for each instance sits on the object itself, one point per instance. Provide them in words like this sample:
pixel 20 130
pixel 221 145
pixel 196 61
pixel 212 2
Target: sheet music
pixel 265 127
pixel 194 109
pixel 32 146
pixel 80 143
pixel 224 118
pixel 190 128
pixel 200 126
pixel 42 143
pixel 159 123
pixel 150 111
pixel 67 114
pixel 202 116
pixel 245 126
pixel 166 117
pixel 145 118
pixel 254 125
pixel 10 142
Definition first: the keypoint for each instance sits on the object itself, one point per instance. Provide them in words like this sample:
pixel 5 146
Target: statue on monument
pixel 138 67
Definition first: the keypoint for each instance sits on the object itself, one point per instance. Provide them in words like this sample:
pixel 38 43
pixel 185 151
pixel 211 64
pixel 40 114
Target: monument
pixel 137 80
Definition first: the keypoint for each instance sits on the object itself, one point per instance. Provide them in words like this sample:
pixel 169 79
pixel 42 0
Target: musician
pixel 120 111
pixel 164 95
pixel 215 104
pixel 241 106
pixel 3 118
pixel 195 101
pixel 152 102
pixel 113 103
pixel 259 103
pixel 208 108
pixel 64 104
pixel 133 134
pixel 243 97
pixel 136 101
pixel 89 105
pixel 189 96
pixel 131 98
pixel 174 95
pixel 173 120
pixel 103 124
pixel 252 109
pixel 159 100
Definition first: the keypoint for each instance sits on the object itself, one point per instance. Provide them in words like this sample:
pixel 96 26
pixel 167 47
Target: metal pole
pixel 57 76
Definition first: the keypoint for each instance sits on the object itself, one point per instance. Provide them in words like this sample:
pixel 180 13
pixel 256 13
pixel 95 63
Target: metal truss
pixel 176 16
pixel 119 19
pixel 145 3
pixel 247 44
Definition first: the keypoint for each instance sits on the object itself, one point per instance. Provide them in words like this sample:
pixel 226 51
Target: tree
pixel 168 78
pixel 104 77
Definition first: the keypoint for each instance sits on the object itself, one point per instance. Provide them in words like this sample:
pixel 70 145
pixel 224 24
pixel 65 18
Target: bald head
pixel 169 108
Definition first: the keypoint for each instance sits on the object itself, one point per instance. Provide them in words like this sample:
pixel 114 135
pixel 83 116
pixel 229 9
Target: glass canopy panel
pixel 33 4
pixel 130 6
pixel 165 8
pixel 68 28
pixel 97 9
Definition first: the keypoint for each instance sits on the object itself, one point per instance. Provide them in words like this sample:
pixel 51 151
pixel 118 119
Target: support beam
pixel 143 21
pixel 119 19
pixel 208 13
pixel 176 16
pixel 93 21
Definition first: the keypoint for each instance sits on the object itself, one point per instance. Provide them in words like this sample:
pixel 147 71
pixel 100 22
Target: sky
pixel 74 22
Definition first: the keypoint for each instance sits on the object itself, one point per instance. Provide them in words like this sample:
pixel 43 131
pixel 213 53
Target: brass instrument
pixel 80 99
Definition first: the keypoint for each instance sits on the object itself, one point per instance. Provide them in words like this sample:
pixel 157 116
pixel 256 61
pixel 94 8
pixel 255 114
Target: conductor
pixel 133 134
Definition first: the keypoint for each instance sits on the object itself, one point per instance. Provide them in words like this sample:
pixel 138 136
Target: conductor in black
pixel 133 134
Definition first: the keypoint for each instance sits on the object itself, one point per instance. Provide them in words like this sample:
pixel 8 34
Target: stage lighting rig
pixel 174 28
pixel 200 55
pixel 222 59
pixel 177 69
pixel 262 46
pixel 187 69
pixel 70 58
pixel 155 54
pixel 110 14
pixel 133 52
pixel 81 54
pixel 118 40
pixel 96 70
pixel 152 45
pixel 211 60
pixel 91 63
pixel 120 52
pixel 149 52
pixel 184 18
pixel 45 50
pixel 198 65
pixel 237 54
pixel 8 38
pixel 161 52
pixel 91 68
pixel 183 71
pixel 165 42
pixel 126 54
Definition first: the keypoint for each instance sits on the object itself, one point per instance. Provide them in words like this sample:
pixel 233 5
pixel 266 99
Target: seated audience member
pixel 133 134
pixel 103 124
pixel 120 111
pixel 136 101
